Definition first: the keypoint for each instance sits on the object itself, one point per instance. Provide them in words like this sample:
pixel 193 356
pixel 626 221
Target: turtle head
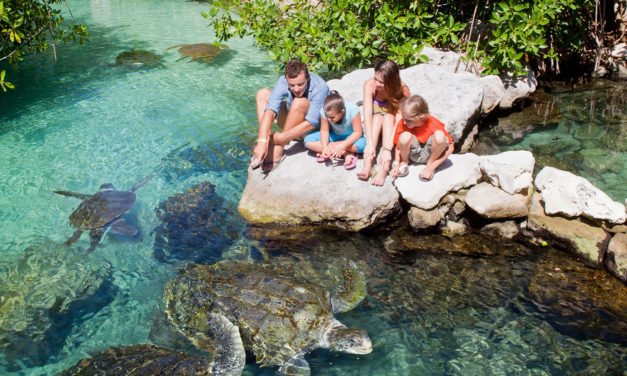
pixel 107 187
pixel 351 341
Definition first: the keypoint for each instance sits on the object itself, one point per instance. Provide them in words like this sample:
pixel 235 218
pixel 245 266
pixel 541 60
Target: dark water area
pixel 467 305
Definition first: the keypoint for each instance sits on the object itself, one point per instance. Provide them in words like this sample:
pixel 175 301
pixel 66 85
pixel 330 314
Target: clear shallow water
pixel 434 306
pixel 579 128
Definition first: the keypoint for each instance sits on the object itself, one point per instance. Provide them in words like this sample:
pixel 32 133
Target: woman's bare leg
pixel 387 134
pixel 377 120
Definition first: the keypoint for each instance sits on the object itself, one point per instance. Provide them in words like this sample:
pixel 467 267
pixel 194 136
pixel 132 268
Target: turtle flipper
pixel 81 196
pixel 231 356
pixel 121 227
pixel 353 291
pixel 137 185
pixel 295 366
pixel 95 235
pixel 74 238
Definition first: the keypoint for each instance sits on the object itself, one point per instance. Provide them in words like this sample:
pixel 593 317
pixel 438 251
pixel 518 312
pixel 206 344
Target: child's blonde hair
pixel 333 103
pixel 414 108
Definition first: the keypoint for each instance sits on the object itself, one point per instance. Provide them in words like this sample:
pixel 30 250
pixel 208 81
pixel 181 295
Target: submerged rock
pixel 543 113
pixel 142 359
pixel 578 301
pixel 44 292
pixel 195 225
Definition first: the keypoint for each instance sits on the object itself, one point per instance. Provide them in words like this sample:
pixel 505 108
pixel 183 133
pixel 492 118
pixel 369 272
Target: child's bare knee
pixel 405 139
pixel 439 137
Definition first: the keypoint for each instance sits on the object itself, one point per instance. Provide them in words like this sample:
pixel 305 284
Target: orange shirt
pixel 422 133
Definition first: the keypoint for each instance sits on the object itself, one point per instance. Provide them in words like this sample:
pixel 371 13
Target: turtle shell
pixel 101 208
pixel 278 315
pixel 142 359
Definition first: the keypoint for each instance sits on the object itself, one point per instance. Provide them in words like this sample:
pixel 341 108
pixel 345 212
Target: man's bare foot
pixel 379 178
pixel 364 174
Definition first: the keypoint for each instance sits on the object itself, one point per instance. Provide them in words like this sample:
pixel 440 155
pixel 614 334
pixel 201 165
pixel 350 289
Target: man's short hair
pixel 294 67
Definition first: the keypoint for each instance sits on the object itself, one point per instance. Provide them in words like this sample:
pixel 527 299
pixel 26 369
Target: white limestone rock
pixel 301 190
pixel 457 172
pixel 582 239
pixel 616 256
pixel 453 98
pixel 517 88
pixel 571 195
pixel 493 93
pixel 491 202
pixel 512 171
pixel 351 86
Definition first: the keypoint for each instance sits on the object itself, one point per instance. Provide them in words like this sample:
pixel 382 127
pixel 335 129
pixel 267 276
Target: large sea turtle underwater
pixel 232 307
pixel 102 210
pixel 197 51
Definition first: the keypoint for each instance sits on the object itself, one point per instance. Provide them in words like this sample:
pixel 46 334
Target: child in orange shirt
pixel 419 138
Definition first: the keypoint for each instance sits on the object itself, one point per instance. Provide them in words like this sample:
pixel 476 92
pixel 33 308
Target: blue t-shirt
pixel 317 91
pixel 346 127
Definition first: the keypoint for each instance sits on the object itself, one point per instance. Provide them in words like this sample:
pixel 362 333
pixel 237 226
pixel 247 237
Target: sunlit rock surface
pixel 494 203
pixel 141 359
pixel 571 195
pixel 453 98
pixel 574 235
pixel 301 190
pixel 43 293
pixel 457 172
pixel 512 171
pixel 616 257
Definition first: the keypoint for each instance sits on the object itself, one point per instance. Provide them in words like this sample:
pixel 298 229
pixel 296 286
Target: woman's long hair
pixel 391 81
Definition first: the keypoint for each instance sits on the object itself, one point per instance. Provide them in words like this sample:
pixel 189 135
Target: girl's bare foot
pixel 379 178
pixel 364 174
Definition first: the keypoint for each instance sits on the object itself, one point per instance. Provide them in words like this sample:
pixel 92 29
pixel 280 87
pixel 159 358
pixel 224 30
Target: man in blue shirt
pixel 295 102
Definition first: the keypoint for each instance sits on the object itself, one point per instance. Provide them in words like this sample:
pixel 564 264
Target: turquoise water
pixel 435 306
pixel 581 128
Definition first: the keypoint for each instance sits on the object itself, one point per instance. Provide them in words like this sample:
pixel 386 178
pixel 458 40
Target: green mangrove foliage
pixel 339 35
pixel 30 26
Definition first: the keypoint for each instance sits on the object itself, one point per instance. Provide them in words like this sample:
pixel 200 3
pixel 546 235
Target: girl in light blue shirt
pixel 341 132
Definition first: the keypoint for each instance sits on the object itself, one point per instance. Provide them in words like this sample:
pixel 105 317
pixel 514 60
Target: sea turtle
pixel 232 307
pixel 138 58
pixel 142 359
pixel 203 51
pixel 102 210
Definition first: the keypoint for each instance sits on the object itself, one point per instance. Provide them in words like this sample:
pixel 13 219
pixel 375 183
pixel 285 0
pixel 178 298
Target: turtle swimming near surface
pixel 102 210
pixel 196 51
pixel 232 307
pixel 138 58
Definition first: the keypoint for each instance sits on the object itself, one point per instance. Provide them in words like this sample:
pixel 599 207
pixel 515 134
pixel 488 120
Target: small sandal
pixel 351 165
pixel 403 170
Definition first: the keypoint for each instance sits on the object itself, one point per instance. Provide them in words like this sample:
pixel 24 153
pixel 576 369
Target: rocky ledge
pixel 495 194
